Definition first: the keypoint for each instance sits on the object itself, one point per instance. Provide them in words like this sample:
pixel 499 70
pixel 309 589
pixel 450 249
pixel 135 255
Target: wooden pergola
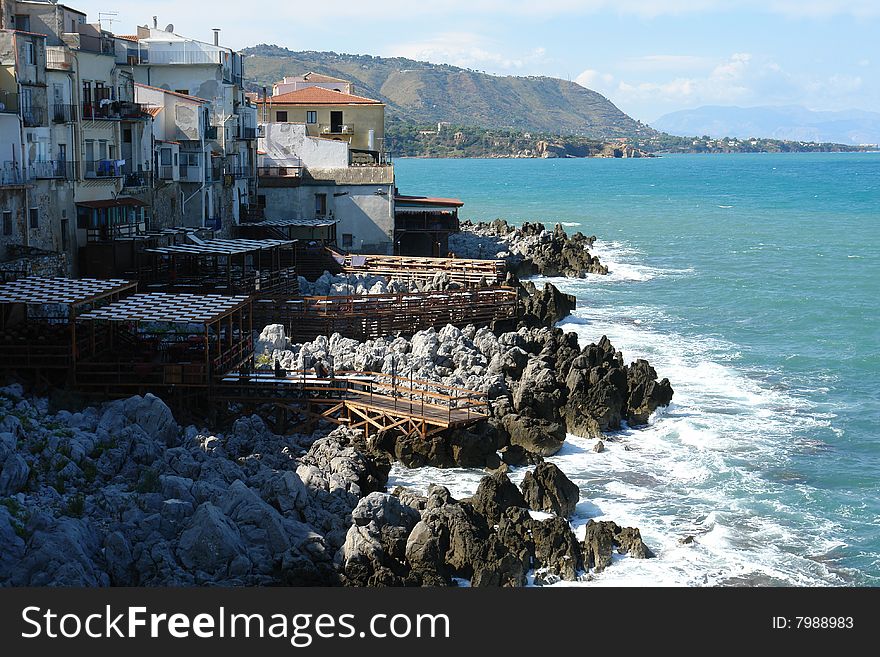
pixel 161 340
pixel 262 268
pixel 38 319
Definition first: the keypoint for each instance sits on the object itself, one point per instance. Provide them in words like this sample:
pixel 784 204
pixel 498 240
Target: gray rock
pixel 14 475
pixel 548 489
pixel 211 543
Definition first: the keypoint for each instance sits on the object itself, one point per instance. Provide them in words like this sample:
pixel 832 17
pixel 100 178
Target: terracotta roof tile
pixel 320 96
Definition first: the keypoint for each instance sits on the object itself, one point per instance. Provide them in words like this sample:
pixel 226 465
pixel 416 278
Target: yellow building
pixel 330 114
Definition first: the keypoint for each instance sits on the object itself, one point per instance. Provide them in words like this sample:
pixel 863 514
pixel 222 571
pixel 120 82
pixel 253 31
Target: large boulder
pixel 13 475
pixel 538 393
pixel 645 392
pixel 603 537
pixel 548 489
pixel 272 337
pixel 557 552
pixel 537 436
pixel 494 495
pixel 212 543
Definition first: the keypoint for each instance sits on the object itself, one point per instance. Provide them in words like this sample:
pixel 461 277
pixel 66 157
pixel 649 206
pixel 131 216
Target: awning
pixel 427 201
pixel 121 202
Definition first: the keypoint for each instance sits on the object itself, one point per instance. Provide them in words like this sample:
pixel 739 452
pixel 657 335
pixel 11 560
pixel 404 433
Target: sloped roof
pixel 311 76
pixel 320 96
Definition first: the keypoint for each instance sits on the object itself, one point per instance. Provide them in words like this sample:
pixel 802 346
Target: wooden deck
pixel 465 272
pixel 368 401
pixel 374 316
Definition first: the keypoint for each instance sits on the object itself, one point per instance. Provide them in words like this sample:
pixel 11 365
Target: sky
pixel 649 57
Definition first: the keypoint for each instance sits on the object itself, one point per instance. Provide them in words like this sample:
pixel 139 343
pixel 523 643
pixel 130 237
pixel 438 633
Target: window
pixel 7 223
pixel 64 238
pixel 165 157
pixel 23 22
pixel 261 200
pixel 320 205
pixel 311 117
pixel 281 117
pixel 347 240
pixel 30 53
pixel 126 135
pixel 34 218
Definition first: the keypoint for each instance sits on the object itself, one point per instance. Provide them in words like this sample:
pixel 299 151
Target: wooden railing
pixel 373 316
pixel 468 273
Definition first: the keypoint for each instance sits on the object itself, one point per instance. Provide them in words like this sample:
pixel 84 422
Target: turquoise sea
pixel 753 283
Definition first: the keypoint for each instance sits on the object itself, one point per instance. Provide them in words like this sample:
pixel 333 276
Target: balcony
pixel 63 113
pixel 134 180
pixel 8 102
pixel 11 174
pixel 59 59
pixel 211 132
pixel 110 233
pixel 247 133
pixel 167 172
pixel 33 117
pixel 103 169
pixel 153 56
pixel 190 173
pixel 54 169
pixel 290 171
pixel 336 129
pixel 106 109
pixel 239 172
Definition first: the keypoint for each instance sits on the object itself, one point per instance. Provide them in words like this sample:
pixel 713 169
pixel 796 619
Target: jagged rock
pixel 272 337
pixel 14 475
pixel 375 545
pixel 601 538
pixel 599 447
pixel 446 542
pixel 646 394
pixel 546 307
pixel 538 393
pixel 557 548
pixel 548 489
pixel 212 543
pixel 494 495
pixel 534 435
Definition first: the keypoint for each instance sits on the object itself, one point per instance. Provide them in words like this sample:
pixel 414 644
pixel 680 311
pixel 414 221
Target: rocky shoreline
pixel 530 249
pixel 121 495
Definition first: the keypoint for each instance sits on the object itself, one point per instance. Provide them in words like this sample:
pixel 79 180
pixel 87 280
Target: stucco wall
pixel 363 118
pixel 283 143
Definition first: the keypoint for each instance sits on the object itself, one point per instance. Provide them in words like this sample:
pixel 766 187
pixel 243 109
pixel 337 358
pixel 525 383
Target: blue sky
pixel 650 57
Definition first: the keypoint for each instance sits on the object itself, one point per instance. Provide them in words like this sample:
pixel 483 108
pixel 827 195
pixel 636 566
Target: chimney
pixel 216 35
pixel 155 22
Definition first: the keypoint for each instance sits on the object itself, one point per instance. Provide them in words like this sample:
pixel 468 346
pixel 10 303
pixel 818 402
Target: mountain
pixel 425 94
pixel 786 122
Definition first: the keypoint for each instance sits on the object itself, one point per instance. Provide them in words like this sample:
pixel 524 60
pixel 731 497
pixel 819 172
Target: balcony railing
pixel 33 117
pixel 152 56
pixel 239 172
pixel 140 179
pixel 211 132
pixel 247 133
pixel 59 59
pixel 59 169
pixel 8 102
pixel 11 174
pixel 108 233
pixel 191 173
pixel 288 171
pixel 167 172
pixel 111 110
pixel 334 129
pixel 63 113
pixel 103 169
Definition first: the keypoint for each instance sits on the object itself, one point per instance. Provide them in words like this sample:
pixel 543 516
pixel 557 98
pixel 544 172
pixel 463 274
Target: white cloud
pixel 464 49
pixel 594 79
pixel 652 63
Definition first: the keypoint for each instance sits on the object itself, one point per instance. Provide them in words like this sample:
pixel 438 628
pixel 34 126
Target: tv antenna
pixel 107 16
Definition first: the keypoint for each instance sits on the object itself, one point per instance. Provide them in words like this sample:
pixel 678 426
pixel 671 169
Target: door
pixel 335 122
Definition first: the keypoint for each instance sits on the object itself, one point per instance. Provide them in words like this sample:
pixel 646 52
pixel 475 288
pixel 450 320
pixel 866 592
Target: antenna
pixel 109 18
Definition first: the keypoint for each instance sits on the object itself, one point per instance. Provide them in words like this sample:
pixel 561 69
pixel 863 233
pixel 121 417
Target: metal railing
pixel 113 110
pixel 11 174
pixel 239 172
pixel 333 129
pixel 247 133
pixel 166 172
pixel 149 56
pixel 59 59
pixel 103 169
pixel 288 171
pixel 140 179
pixel 62 113
pixel 61 169
pixel 33 117
pixel 107 233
